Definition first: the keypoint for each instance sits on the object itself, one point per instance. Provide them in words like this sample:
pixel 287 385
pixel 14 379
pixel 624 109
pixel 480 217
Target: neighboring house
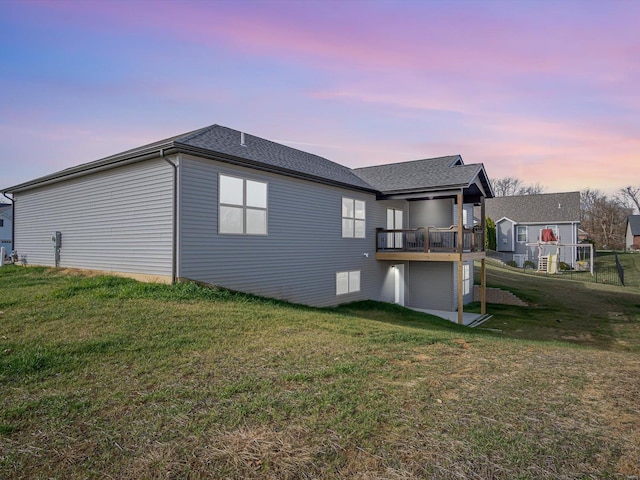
pixel 6 227
pixel 223 207
pixel 520 221
pixel 632 238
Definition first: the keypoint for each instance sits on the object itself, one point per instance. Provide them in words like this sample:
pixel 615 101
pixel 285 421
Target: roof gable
pixel 421 175
pixel 541 208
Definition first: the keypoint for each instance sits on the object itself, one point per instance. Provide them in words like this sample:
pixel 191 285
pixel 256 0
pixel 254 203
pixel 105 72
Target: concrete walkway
pixel 467 318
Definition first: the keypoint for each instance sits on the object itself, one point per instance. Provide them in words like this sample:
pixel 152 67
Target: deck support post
pixel 460 293
pixel 459 201
pixel 483 286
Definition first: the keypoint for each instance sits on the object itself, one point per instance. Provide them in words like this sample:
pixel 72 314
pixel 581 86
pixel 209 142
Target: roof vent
pixel 242 144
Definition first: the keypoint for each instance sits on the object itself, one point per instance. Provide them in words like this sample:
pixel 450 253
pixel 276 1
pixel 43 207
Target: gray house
pixel 6 227
pixel 223 207
pixel 632 237
pixel 521 222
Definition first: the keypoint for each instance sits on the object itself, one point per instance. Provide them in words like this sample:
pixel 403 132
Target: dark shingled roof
pixel 429 173
pixel 265 152
pixel 228 145
pixel 634 222
pixel 224 144
pixel 542 208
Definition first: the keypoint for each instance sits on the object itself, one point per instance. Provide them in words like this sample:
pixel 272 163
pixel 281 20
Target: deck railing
pixel 430 240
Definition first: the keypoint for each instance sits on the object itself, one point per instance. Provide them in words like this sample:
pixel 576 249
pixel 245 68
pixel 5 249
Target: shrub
pixel 490 234
pixel 565 266
pixel 529 264
pixel 512 263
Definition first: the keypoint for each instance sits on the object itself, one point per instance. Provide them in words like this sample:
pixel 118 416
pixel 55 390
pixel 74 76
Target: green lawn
pixel 597 315
pixel 103 377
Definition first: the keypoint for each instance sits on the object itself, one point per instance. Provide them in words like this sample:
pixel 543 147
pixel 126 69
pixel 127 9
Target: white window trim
pixel 244 206
pixel 556 232
pixel 354 219
pixel 466 279
pixel 520 258
pixel 526 234
pixel 353 286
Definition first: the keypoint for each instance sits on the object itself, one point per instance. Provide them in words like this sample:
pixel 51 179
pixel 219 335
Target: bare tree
pixel 509 186
pixel 533 189
pixel 631 195
pixel 603 218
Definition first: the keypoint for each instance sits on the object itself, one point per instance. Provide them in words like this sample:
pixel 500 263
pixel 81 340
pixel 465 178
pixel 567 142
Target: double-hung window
pixel 353 218
pixel 521 233
pixel 242 206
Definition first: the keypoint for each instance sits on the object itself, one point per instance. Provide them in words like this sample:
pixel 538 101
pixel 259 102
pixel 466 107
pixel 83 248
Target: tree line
pixel 602 216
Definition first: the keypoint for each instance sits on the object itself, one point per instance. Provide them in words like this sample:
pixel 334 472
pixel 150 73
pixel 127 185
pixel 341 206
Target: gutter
pixel 111 162
pixel 174 249
pixel 13 220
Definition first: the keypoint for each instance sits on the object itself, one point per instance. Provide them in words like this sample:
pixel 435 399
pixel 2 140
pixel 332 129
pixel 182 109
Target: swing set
pixel 549 262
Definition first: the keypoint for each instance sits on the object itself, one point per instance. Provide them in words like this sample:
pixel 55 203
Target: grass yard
pixel 104 377
pixel 589 314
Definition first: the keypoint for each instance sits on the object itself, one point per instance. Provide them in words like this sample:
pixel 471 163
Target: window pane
pixel 256 222
pixel 398 219
pixel 230 220
pixel 231 190
pixel 359 207
pixel 256 194
pixel 347 227
pixel 354 281
pixel 347 207
pixel 359 229
pixel 521 232
pixel 342 283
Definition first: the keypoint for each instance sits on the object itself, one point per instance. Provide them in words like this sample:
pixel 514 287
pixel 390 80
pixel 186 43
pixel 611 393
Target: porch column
pixel 483 286
pixel 483 224
pixel 460 226
pixel 459 200
pixel 460 292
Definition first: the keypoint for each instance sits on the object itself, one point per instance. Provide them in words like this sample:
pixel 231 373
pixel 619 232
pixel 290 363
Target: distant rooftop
pixel 540 208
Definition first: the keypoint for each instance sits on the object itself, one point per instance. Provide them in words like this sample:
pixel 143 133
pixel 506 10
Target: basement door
pixel 398 291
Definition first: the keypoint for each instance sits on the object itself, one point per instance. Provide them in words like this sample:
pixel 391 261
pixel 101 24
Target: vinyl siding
pixel 5 230
pixel 116 220
pixel 431 213
pixel 430 285
pixel 504 236
pixel 299 258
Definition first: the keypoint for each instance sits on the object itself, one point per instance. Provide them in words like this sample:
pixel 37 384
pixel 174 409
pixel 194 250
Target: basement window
pixel 347 282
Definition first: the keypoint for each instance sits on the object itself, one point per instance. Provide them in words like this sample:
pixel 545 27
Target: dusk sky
pixel 547 91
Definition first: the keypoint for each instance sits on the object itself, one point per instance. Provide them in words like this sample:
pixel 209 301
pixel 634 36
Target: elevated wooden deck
pixel 430 244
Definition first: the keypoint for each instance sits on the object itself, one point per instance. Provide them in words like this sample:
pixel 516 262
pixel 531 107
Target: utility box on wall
pixel 56 238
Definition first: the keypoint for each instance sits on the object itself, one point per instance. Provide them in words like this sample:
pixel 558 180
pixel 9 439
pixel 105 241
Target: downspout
pixel 174 250
pixel 13 221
